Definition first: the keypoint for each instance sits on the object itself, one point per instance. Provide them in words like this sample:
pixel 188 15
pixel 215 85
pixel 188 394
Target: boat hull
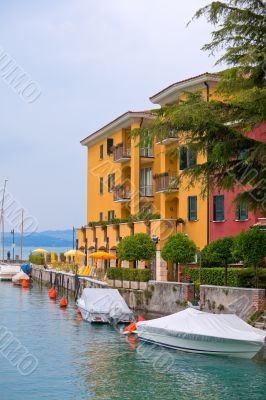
pixel 203 344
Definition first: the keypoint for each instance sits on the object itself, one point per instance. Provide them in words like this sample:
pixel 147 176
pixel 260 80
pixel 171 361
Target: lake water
pixel 71 359
pixel 27 250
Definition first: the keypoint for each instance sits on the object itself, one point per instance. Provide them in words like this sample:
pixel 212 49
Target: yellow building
pixel 125 178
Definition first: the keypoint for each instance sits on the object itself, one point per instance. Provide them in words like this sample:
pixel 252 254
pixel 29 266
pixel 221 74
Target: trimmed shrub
pixel 247 278
pixel 36 259
pixel 213 276
pixel 179 249
pixel 218 253
pixel 136 247
pixel 250 246
pixel 236 277
pixel 129 274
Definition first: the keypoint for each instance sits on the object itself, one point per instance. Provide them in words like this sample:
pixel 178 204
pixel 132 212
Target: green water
pixel 76 360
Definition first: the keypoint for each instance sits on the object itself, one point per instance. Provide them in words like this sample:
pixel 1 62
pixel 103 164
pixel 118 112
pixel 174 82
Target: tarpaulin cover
pixel 103 301
pixel 25 268
pixel 191 321
pixel 19 276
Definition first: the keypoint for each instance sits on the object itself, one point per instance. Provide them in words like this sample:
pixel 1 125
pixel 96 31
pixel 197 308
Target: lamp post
pixel 3 222
pixel 13 244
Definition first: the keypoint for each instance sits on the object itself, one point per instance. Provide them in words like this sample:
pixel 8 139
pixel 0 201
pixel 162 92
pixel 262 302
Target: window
pixel 241 212
pixel 100 216
pixel 192 208
pixel 187 158
pixel 218 208
pixel 110 143
pixel 182 158
pixel 101 151
pixel 111 215
pixel 192 158
pixel 146 182
pixel 101 185
pixel 111 182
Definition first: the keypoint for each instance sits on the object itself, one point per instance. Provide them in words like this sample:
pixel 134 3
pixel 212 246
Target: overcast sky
pixel 93 60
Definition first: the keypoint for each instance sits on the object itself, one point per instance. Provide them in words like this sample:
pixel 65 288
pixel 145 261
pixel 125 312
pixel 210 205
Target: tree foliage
pixel 220 128
pixel 250 247
pixel 179 249
pixel 218 253
pixel 136 247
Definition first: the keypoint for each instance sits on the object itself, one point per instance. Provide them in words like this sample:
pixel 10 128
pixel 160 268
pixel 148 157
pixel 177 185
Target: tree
pixel 136 247
pixel 218 128
pixel 218 253
pixel 250 247
pixel 179 249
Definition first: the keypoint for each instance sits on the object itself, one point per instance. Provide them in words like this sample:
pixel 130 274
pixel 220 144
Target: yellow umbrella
pixel 74 253
pixel 40 251
pixel 52 257
pixel 102 255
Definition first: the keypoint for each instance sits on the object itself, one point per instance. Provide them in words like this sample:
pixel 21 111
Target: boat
pixel 195 331
pixel 7 271
pixel 105 306
pixel 19 277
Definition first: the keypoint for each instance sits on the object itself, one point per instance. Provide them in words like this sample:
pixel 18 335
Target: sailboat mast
pixel 21 235
pixel 3 222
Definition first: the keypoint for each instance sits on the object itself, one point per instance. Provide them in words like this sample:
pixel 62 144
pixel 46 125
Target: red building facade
pixel 226 219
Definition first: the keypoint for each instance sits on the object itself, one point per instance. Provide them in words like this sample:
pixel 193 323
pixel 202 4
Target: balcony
pixel 146 191
pixel 122 153
pixel 166 182
pixel 170 138
pixel 121 194
pixel 146 152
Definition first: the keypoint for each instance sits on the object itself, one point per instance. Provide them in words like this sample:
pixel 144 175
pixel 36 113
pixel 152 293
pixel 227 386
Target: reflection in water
pixel 78 360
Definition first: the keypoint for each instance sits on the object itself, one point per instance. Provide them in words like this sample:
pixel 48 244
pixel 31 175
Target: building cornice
pixel 123 121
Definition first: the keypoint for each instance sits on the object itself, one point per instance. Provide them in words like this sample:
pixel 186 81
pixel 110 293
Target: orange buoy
pixel 78 311
pixel 63 302
pixel 140 318
pixel 130 328
pixel 24 283
pixel 52 293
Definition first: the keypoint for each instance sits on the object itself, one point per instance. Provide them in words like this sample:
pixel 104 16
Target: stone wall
pixel 241 301
pixel 159 297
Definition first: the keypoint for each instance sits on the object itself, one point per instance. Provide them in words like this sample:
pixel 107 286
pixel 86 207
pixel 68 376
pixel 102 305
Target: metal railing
pixel 121 193
pixel 146 152
pixel 166 181
pixel 122 153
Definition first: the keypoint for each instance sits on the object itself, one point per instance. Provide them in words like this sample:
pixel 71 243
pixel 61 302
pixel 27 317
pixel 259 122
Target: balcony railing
pixel 121 194
pixel 168 139
pixel 122 153
pixel 146 191
pixel 146 152
pixel 166 182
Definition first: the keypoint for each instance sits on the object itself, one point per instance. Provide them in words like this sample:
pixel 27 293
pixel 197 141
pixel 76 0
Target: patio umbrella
pixel 102 255
pixel 40 251
pixel 74 253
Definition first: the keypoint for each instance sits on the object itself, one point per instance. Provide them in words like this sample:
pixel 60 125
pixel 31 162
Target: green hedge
pixel 38 260
pixel 237 277
pixel 129 274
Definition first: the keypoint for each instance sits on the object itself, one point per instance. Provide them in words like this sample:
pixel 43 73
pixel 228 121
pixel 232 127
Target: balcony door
pixel 146 182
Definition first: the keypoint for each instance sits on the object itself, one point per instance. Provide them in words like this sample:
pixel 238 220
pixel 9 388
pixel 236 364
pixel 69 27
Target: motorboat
pixel 7 271
pixel 104 305
pixel 195 331
pixel 19 277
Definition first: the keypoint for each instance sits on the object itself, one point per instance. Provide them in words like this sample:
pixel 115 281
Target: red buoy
pixel 78 311
pixel 140 318
pixel 52 293
pixel 24 283
pixel 63 302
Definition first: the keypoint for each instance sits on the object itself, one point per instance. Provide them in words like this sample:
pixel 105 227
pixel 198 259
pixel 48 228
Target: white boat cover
pixel 104 301
pixel 21 275
pixel 194 322
pixel 9 268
